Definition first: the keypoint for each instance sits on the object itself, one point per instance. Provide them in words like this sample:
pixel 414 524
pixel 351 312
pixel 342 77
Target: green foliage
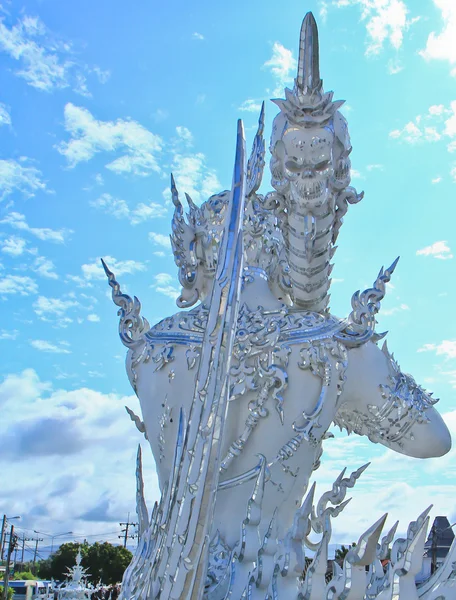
pixel 65 557
pixel 107 563
pixel 24 575
pixel 342 552
pixel 44 569
pixel 103 561
pixel 10 592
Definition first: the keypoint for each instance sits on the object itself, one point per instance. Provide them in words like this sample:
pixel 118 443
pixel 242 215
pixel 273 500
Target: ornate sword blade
pixel 181 568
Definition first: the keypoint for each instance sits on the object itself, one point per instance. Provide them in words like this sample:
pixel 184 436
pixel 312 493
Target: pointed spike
pixel 190 202
pixel 174 193
pixel 105 267
pixel 261 117
pixel 367 544
pixel 308 76
pixel 393 266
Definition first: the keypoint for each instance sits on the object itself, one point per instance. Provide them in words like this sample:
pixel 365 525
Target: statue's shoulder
pixel 185 326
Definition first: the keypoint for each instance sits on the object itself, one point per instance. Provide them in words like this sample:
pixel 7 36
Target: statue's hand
pixel 389 407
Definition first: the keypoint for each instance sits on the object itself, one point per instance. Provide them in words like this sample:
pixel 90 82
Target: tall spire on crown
pixel 308 77
pixel 307 104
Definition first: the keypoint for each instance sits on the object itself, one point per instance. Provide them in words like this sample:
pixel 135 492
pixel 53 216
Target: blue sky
pixel 99 101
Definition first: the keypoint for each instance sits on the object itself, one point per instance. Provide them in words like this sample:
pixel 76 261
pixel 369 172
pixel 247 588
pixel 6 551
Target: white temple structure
pixel 238 391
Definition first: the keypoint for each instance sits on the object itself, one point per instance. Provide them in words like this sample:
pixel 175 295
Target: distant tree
pixel 44 568
pixel 65 557
pixel 107 563
pixel 103 561
pixel 341 553
pixel 24 575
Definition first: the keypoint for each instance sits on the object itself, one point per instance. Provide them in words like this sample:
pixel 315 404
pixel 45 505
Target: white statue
pixel 76 587
pixel 238 393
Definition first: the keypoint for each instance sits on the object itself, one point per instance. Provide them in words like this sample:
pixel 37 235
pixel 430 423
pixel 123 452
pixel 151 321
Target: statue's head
pixel 310 145
pixel 195 242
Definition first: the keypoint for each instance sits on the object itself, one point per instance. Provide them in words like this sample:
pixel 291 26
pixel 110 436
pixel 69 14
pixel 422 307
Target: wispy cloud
pixel 14 246
pixel 94 270
pixel 198 36
pixel 119 209
pixel 5 117
pixel 386 22
pixel 46 62
pixel 159 239
pixel 14 176
pixel 45 346
pixel 44 267
pixel 441 46
pixel 250 105
pixel 283 67
pixel 439 250
pixel 90 136
pixel 17 221
pixel 164 285
pixel 446 348
pixel 17 284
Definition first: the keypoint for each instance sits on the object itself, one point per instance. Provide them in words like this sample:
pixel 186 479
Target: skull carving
pixel 302 163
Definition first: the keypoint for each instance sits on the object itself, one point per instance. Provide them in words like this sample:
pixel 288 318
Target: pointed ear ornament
pixel 360 324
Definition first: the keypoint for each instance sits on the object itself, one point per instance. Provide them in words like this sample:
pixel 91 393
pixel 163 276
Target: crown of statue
pixel 307 104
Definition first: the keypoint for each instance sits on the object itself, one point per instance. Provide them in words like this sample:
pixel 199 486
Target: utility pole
pixel 2 537
pixel 11 546
pixel 36 540
pixel 24 539
pixel 127 526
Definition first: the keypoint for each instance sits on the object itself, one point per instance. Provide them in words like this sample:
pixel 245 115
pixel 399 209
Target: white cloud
pixel 436 180
pixel 80 469
pixel 16 177
pixel 197 36
pixel 387 312
pixel 355 174
pixel 193 176
pixel 112 206
pixel 53 309
pixel 94 270
pixel 441 46
pixel 250 105
pixel 17 284
pixel 437 250
pixel 395 67
pixel 120 210
pixel 90 136
pixel 409 133
pixel 185 135
pixel 386 21
pixel 46 63
pixel 44 346
pixel 8 335
pixel 93 318
pixel 17 221
pixel 163 285
pixel 5 117
pixel 446 348
pixel 160 239
pixel 375 167
pixel 283 67
pixel 44 267
pixel 14 246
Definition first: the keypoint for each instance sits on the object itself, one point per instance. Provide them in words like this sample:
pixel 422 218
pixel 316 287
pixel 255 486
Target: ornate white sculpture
pixel 76 587
pixel 238 393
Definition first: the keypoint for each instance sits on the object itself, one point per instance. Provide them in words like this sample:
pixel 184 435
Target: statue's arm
pixel 389 407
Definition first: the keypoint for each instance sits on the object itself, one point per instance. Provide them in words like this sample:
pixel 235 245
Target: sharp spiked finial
pixel 191 204
pixel 174 193
pixel 308 77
